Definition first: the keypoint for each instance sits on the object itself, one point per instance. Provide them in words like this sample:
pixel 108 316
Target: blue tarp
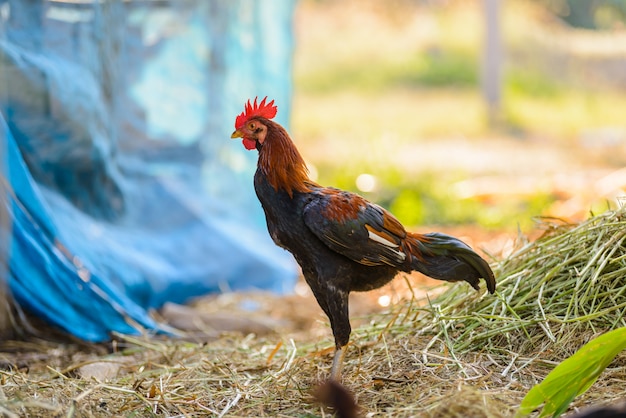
pixel 122 188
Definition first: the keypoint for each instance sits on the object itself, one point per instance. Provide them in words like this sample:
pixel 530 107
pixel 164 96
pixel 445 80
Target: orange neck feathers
pixel 281 162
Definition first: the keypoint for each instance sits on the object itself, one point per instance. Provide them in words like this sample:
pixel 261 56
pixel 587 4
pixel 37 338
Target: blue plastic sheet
pixel 117 175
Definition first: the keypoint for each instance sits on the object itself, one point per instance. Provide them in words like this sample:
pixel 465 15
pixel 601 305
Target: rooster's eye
pixel 252 126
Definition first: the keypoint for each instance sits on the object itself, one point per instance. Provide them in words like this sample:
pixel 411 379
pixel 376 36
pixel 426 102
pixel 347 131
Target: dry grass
pixel 564 287
pixel 462 354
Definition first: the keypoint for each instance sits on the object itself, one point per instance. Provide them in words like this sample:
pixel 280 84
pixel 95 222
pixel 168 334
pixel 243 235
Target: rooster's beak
pixel 237 134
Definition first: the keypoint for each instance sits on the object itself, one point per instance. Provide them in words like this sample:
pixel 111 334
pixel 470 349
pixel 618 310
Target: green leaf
pixel 574 375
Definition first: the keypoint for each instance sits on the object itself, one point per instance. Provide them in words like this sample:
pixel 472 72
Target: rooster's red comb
pixel 267 111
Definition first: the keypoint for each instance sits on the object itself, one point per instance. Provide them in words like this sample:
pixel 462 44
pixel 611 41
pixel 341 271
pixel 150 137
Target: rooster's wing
pixel 350 225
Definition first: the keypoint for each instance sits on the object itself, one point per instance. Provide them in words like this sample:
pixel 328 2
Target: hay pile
pixel 553 294
pixel 463 354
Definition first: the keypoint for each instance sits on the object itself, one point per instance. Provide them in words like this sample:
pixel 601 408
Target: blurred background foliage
pixel 393 90
pixel 589 14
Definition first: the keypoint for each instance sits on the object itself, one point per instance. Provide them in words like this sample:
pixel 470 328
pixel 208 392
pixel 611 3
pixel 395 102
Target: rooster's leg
pixel 334 303
pixel 335 371
pixel 340 324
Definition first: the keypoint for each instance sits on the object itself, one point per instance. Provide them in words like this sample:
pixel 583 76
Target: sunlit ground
pixel 392 90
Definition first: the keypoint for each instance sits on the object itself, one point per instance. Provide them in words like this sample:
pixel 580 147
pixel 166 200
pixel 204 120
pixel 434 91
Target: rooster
pixel 342 242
